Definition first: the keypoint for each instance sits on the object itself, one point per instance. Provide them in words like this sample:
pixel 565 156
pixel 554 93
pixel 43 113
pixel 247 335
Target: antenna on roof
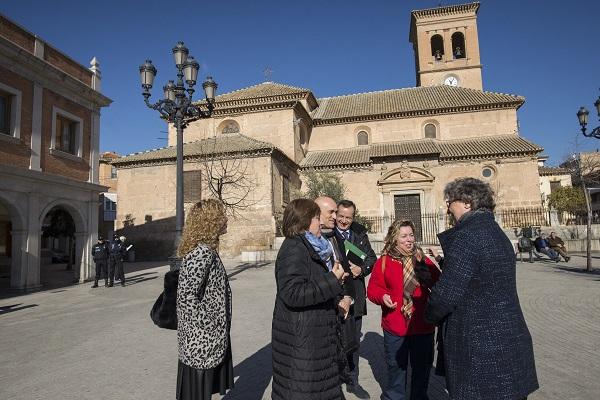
pixel 268 72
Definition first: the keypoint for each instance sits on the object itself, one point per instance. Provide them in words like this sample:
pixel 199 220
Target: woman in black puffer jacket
pixel 304 333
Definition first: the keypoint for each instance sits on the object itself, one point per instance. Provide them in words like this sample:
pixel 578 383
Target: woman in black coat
pixel 305 342
pixel 487 346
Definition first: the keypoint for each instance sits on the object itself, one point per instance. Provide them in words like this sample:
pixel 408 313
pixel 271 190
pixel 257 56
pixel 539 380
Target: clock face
pixel 451 81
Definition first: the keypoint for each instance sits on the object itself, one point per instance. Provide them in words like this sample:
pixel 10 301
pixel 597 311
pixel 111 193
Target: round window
pixel 487 172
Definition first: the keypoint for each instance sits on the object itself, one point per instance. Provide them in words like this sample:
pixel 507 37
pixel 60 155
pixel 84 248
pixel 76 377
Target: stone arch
pixel 406 174
pixel 17 217
pixel 228 126
pixel 78 217
pixel 437 47
pixel 458 45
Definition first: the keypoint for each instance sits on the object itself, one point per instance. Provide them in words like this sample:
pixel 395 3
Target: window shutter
pixel 192 181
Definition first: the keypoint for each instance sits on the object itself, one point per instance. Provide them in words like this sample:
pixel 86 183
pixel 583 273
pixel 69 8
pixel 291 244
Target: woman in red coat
pixel 400 283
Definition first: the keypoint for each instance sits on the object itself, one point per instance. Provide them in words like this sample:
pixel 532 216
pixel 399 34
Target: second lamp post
pixel 178 109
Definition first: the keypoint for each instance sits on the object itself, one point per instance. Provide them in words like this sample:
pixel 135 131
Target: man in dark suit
pixel 347 229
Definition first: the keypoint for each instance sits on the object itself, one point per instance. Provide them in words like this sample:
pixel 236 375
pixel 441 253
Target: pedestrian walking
pixel 305 342
pixel 400 283
pixel 100 256
pixel 204 307
pixel 487 347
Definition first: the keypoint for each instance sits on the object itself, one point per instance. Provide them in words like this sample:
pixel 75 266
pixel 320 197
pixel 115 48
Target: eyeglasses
pixel 448 202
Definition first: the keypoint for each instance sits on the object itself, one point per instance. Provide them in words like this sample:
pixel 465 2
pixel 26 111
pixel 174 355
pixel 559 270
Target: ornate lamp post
pixel 177 108
pixel 583 114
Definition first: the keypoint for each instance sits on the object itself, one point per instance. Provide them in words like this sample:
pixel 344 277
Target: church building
pixel 394 149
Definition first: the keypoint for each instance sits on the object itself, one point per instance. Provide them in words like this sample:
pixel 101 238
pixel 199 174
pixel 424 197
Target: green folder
pixel 354 254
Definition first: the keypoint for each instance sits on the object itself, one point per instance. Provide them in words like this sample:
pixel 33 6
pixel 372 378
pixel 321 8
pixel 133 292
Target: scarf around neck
pixel 410 282
pixel 321 246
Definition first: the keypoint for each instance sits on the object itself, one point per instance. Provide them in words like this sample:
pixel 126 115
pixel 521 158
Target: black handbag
pixel 164 310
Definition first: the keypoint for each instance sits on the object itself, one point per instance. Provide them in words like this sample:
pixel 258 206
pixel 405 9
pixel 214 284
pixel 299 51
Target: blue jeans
pixel 398 351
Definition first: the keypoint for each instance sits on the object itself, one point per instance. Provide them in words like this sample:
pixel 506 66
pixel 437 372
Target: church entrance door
pixel 408 206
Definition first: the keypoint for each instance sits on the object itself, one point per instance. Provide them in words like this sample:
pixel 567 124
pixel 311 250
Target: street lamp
pixel 177 108
pixel 583 114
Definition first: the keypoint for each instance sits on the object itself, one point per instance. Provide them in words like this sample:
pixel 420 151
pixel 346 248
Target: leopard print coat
pixel 203 309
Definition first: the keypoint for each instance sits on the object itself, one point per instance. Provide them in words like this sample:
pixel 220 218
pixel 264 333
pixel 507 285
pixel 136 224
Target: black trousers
pixel 101 266
pixel 353 357
pixel 115 269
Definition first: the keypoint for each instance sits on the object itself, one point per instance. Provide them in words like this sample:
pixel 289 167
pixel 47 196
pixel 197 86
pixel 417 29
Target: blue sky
pixel 547 51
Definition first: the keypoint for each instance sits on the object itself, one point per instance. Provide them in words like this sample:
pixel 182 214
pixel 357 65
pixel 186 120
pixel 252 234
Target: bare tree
pixel 230 180
pixel 585 172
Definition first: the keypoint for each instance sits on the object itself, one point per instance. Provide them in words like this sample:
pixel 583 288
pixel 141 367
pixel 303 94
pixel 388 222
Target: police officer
pixel 115 266
pixel 100 255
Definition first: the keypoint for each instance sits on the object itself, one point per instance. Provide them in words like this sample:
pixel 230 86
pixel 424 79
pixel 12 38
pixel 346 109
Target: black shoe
pixel 95 284
pixel 567 259
pixel 358 391
pixel 110 284
pixel 123 283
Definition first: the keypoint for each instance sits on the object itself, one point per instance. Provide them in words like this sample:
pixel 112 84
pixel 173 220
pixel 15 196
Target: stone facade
pixel 43 166
pixel 388 147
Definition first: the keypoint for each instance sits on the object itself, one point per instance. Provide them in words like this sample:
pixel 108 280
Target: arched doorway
pixel 58 261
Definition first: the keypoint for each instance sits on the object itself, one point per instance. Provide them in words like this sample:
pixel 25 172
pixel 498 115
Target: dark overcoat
pixel 487 346
pixel 360 239
pixel 305 340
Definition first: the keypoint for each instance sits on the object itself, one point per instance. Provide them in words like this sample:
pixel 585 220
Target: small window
pixel 5 103
pixel 458 45
pixel 113 172
pixel 437 47
pixel 192 184
pixel 362 138
pixel 554 185
pixel 430 131
pixel 230 127
pixel 66 135
pixel 487 172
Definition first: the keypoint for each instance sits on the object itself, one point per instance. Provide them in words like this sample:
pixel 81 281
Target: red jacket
pixel 392 283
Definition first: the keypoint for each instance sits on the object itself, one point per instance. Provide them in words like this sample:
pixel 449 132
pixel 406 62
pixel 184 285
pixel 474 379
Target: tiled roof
pixel 407 148
pixel 397 102
pixel 447 10
pixel 473 148
pixel 265 89
pixel 546 171
pixel 222 145
pixel 500 145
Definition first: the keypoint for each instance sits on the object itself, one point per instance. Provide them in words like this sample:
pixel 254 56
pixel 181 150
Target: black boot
pixel 123 282
pixel 110 284
pixel 106 282
pixel 95 284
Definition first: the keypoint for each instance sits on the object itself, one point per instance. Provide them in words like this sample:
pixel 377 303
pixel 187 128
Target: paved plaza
pixel 80 343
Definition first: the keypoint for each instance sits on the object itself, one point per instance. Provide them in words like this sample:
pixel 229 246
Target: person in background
pixel 204 308
pixel 348 229
pixel 100 256
pixel 557 244
pixel 304 331
pixel 542 246
pixel 488 350
pixel 400 283
pixel 117 252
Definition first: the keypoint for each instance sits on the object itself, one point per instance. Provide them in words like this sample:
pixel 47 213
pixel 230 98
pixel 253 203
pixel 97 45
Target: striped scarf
pixel 408 260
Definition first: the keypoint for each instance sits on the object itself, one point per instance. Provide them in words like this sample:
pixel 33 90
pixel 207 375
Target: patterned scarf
pixel 322 247
pixel 408 260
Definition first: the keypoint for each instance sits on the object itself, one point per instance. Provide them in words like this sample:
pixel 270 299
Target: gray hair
pixel 472 191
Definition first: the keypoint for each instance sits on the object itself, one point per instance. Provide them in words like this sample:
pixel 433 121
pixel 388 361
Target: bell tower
pixel 446 46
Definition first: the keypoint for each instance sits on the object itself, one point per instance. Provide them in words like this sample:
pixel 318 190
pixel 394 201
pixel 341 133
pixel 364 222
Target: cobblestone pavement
pixel 81 343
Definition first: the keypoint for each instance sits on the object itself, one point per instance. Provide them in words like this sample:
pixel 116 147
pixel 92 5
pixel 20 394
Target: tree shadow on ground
pixel 254 375
pixel 578 270
pixel 15 307
pixel 238 269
